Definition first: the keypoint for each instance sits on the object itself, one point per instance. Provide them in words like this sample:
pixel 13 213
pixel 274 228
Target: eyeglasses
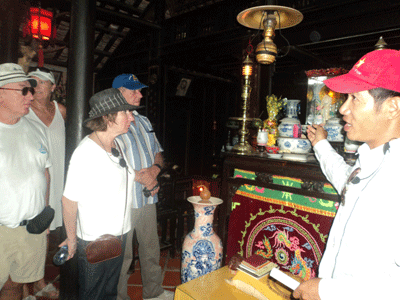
pixel 352 179
pixel 24 90
pixel 41 69
pixel 122 161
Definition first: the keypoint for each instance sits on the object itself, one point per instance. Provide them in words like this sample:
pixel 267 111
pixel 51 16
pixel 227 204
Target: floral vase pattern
pixel 202 248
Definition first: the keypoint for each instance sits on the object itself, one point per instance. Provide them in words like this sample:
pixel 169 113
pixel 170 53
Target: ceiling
pixel 203 35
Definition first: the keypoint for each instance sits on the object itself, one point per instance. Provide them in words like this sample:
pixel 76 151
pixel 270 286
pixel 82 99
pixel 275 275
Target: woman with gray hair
pixel 97 193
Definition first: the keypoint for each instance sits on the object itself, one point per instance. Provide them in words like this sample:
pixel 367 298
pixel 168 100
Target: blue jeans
pixel 98 281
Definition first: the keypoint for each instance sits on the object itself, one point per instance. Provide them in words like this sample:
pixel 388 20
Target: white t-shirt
pixel 23 160
pixel 56 141
pixel 98 183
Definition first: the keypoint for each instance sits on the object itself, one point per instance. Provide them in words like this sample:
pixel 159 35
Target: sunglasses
pixel 354 180
pixel 24 90
pixel 122 161
pixel 42 69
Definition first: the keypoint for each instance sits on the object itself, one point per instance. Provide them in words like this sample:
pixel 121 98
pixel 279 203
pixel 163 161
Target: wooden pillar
pixel 80 70
pixel 79 90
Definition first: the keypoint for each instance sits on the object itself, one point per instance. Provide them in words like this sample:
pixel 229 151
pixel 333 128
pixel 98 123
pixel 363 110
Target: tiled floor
pixel 51 271
pixel 171 275
pixel 170 267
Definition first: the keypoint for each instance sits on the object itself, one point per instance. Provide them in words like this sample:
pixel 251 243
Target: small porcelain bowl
pixel 294 145
pixel 272 149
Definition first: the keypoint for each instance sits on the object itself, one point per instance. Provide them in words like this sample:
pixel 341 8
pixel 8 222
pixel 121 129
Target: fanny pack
pixel 103 248
pixel 41 222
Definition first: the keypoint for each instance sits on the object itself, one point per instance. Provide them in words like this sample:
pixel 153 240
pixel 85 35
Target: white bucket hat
pixel 43 74
pixel 11 73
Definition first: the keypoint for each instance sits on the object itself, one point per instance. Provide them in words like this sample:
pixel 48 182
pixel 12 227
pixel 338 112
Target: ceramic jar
pixel 290 127
pixel 202 248
pixel 335 130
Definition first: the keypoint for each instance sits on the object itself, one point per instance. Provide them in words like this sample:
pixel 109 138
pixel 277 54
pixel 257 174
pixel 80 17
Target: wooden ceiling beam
pixel 123 6
pixel 103 53
pixel 110 31
pixel 123 19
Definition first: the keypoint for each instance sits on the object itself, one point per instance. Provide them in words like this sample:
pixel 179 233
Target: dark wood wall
pixel 190 128
pixel 195 129
pixel 208 45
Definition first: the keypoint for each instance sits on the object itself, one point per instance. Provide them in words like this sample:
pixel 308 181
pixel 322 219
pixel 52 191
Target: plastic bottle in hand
pixel 61 256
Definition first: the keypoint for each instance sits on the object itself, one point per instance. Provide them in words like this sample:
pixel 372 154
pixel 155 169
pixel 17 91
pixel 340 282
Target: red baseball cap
pixel 376 69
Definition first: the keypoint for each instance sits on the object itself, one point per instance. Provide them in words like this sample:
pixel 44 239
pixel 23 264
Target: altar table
pixel 213 286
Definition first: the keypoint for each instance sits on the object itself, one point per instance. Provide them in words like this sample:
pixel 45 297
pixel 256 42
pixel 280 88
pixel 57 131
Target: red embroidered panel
pixel 291 235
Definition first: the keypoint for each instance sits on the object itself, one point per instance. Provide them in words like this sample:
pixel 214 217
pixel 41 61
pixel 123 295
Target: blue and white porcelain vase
pixel 290 126
pixel 202 248
pixel 335 130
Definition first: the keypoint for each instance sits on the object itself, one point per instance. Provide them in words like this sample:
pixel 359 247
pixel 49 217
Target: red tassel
pixel 26 30
pixel 54 32
pixel 40 57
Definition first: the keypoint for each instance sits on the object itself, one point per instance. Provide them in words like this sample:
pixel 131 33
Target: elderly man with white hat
pixel 24 182
pixel 51 115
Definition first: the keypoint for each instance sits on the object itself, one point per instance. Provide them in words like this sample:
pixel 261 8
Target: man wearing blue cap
pixel 145 154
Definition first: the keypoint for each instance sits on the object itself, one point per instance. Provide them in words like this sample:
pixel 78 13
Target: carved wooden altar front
pixel 280 209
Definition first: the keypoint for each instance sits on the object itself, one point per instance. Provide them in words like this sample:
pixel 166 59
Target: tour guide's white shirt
pixel 98 183
pixel 362 256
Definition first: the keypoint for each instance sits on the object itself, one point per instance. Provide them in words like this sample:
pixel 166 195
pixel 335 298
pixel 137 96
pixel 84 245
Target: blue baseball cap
pixel 128 81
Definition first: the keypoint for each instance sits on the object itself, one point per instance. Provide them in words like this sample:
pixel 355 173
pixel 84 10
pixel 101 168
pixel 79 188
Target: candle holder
pixel 243 147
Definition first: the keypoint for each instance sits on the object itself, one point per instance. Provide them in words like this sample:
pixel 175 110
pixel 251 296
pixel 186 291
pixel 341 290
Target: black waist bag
pixel 41 222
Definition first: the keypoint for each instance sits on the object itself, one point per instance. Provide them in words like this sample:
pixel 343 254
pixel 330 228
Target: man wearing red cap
pixel 362 256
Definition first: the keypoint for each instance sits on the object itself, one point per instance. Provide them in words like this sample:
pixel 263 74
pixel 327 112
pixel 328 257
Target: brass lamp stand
pixel 266 18
pixel 243 147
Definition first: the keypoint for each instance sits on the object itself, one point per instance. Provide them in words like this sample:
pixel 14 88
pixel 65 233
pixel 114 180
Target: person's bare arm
pixel 148 176
pixel 47 175
pixel 70 210
pixel 46 198
pixel 63 111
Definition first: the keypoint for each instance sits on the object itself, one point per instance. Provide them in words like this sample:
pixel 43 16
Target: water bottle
pixel 61 256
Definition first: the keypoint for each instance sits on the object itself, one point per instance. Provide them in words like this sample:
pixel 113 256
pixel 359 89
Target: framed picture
pixel 57 76
pixel 183 86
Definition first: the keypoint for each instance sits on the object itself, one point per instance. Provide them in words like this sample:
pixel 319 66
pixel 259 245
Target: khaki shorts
pixel 22 255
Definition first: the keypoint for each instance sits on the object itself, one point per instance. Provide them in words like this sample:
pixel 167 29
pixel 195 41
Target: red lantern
pixel 40 23
pixel 40 27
